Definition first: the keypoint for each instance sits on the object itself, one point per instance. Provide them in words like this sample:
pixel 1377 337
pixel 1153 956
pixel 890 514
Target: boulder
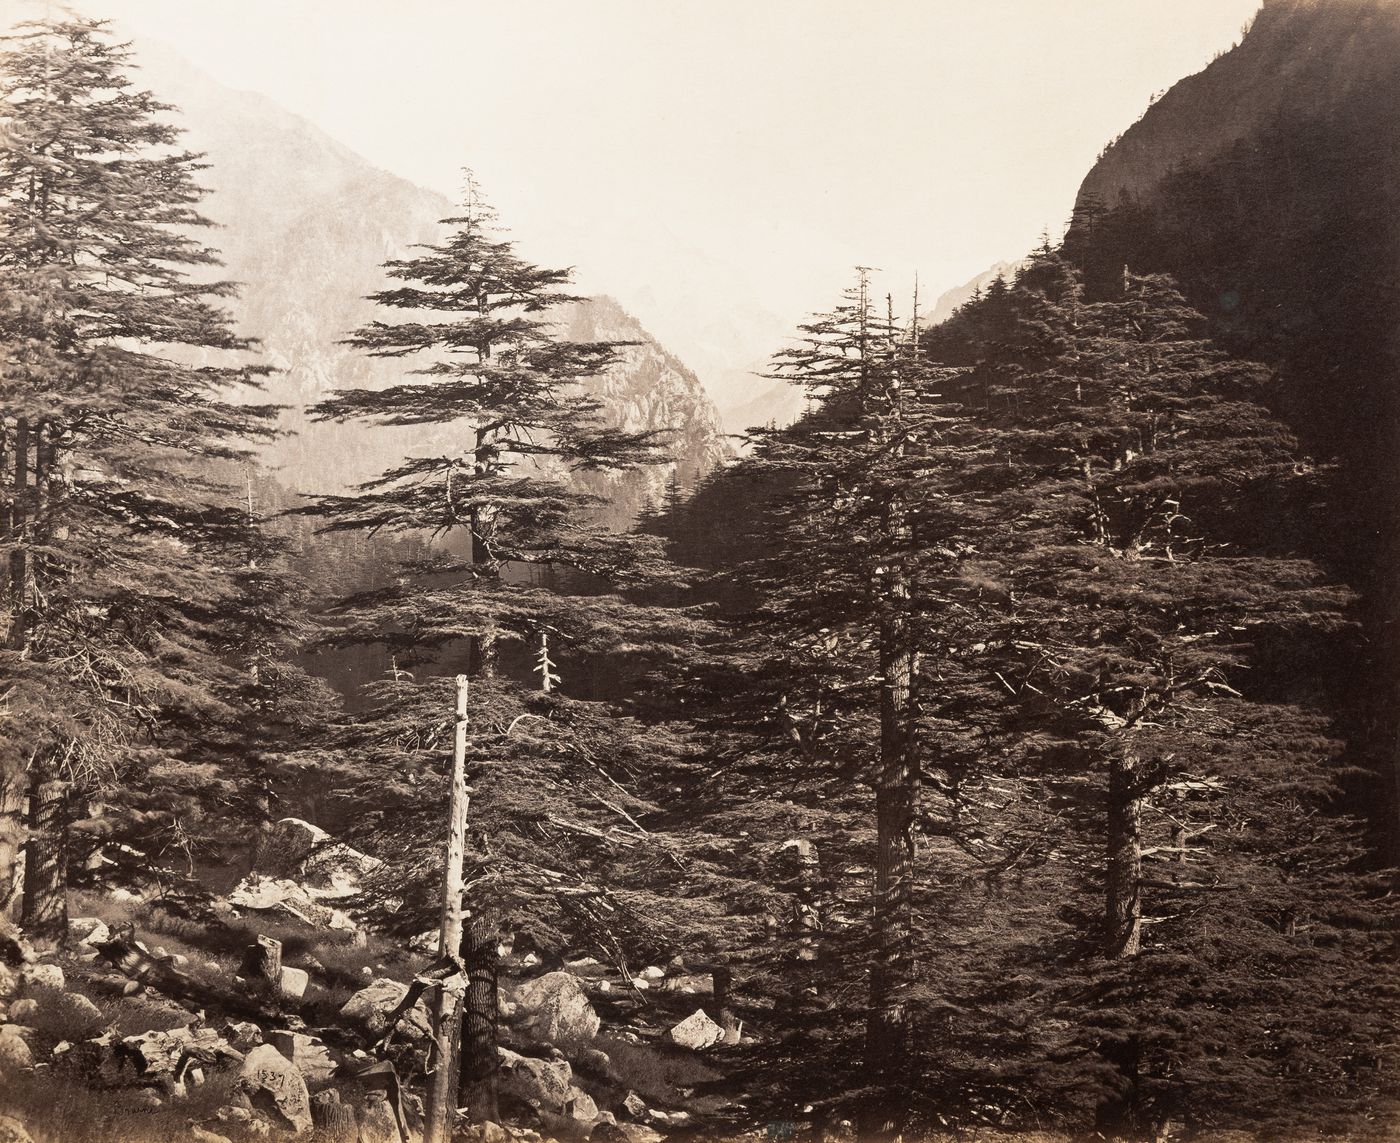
pixel 14 1052
pixel 426 942
pixel 696 1032
pixel 377 1123
pixel 9 982
pixel 80 1007
pixel 293 982
pixel 596 1061
pixel 555 1007
pixel 24 1010
pixel 243 1035
pixel 287 844
pixel 35 976
pixel 199 1135
pixel 88 931
pixel 639 1133
pixel 546 1085
pixel 634 1105
pixel 371 1007
pixel 311 1057
pixel 270 894
pixel 273 1084
pixel 13 1131
pixel 306 853
pixel 581 1107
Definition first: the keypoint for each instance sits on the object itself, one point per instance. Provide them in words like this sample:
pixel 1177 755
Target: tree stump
pixel 263 961
pixel 334 1121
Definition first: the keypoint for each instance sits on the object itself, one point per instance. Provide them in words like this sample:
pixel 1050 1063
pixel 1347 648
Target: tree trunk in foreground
pixel 447 1011
pixel 44 906
pixel 1120 1115
pixel 480 1060
pixel 896 796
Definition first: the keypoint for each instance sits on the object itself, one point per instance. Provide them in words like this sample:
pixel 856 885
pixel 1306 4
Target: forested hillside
pixel 1002 749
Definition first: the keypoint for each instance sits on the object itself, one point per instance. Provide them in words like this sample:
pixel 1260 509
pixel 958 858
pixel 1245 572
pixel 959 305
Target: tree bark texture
pixel 896 800
pixel 1123 883
pixel 44 909
pixel 480 1059
pixel 447 1014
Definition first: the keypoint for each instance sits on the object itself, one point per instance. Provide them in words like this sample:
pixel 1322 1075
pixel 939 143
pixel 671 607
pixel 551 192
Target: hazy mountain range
pixel 305 224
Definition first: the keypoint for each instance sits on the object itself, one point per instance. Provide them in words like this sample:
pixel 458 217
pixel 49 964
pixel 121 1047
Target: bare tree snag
pixel 447 1013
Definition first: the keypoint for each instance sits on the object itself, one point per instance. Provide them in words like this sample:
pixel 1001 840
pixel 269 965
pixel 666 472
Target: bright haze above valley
pixel 718 166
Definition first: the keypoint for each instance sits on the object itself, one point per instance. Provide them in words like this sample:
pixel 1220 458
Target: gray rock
pixel 640 1133
pixel 696 1032
pixel 158 1053
pixel 310 1056
pixel 273 1083
pixel 244 1035
pixel 12 1131
pixel 14 1052
pixel 293 983
pixel 596 1061
pixel 634 1105
pixel 306 853
pixel 88 930
pixel 581 1107
pixel 371 1006
pixel 546 1085
pixel 199 1135
pixel 79 1009
pixel 377 1123
pixel 35 976
pixel 555 1007
pixel 23 1010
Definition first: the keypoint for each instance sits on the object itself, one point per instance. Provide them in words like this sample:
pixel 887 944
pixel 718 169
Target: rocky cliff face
pixel 306 225
pixel 647 389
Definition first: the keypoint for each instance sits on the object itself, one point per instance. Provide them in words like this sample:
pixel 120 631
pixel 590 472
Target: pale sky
pixel 703 150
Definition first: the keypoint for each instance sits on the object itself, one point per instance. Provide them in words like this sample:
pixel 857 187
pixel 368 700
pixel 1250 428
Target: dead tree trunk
pixel 447 1014
pixel 44 906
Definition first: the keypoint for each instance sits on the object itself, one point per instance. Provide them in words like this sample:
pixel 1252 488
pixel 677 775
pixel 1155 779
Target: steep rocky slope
pixel 306 224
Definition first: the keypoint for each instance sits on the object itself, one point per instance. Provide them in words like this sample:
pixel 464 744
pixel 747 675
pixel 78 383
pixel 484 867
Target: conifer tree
pixel 115 524
pixel 485 366
pixel 1161 641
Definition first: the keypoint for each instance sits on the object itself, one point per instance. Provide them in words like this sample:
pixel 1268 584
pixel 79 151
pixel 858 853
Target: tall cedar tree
pixel 532 569
pixel 117 536
pixel 850 695
pixel 1162 641
pixel 1137 894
